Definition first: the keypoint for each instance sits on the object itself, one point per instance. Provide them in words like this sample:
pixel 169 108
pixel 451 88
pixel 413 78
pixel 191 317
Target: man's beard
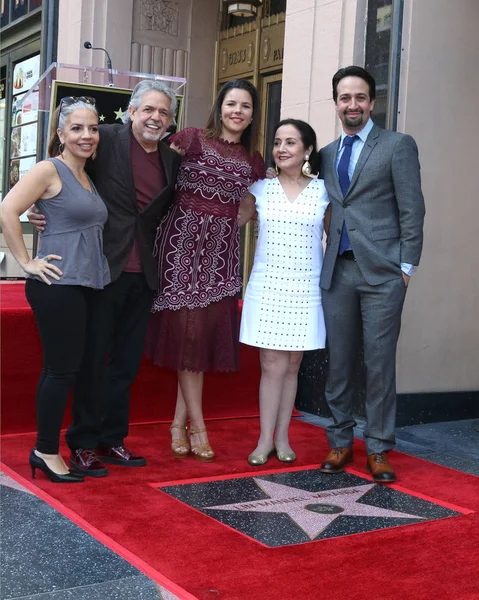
pixel 152 135
pixel 353 122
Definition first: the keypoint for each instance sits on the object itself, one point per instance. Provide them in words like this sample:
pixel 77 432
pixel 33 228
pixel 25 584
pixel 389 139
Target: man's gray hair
pixel 150 85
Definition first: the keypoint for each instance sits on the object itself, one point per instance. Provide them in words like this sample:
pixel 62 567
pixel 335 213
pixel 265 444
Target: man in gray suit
pixel 375 238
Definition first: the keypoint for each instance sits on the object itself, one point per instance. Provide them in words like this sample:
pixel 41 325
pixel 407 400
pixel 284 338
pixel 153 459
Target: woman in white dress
pixel 282 312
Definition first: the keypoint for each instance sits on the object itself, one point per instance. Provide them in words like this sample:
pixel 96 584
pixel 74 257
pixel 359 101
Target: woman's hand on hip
pixel 43 268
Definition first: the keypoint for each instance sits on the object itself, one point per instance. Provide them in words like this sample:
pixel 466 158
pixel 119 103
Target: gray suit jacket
pixel 383 209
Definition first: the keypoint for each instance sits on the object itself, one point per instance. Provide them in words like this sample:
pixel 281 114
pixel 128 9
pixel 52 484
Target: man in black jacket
pixel 135 174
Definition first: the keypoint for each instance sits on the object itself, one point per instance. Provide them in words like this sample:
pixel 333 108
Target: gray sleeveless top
pixel 75 219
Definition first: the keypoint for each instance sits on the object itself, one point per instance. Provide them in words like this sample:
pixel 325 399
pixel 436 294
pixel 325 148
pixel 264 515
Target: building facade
pixel 427 85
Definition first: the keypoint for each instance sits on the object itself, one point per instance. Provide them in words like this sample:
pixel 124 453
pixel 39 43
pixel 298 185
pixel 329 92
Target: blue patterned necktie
pixel 343 176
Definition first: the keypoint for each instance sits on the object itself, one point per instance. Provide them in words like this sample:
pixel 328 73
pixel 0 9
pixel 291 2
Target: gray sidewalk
pixel 453 444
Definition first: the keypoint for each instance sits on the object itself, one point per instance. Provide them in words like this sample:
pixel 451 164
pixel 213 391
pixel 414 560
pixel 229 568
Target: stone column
pixel 104 23
pixel 330 31
pixel 201 62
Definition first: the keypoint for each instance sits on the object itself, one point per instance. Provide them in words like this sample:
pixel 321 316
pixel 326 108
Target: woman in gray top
pixel 69 267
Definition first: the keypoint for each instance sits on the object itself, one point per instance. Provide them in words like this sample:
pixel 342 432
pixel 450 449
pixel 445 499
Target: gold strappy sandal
pixel 180 448
pixel 202 451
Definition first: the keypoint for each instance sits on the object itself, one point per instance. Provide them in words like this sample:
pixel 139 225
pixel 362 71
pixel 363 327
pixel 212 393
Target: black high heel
pixel 38 463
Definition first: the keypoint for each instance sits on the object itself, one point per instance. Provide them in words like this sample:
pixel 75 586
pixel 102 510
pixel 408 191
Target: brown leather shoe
pixel 336 460
pixel 380 468
pixel 86 461
pixel 120 455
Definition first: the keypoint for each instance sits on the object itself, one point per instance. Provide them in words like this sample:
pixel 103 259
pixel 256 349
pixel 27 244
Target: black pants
pixel 115 331
pixel 61 313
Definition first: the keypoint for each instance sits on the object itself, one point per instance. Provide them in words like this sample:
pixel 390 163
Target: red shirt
pixel 149 180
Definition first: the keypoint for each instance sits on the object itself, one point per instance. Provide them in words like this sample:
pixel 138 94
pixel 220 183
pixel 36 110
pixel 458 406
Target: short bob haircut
pixel 308 137
pixel 214 128
pixel 354 71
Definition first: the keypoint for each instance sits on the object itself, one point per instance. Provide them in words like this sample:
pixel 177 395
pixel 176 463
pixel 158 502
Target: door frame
pixel 251 228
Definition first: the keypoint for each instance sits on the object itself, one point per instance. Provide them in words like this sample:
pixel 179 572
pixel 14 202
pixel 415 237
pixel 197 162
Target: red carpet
pixel 226 395
pixel 167 539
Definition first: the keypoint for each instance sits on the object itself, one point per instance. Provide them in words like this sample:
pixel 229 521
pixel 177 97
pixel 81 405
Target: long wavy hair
pixel 214 127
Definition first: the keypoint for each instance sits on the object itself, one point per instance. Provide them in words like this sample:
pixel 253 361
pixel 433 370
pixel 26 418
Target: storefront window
pixel 274 7
pixel 19 8
pixel 24 123
pixel 5 13
pixel 382 38
pixel 14 9
pixel 3 82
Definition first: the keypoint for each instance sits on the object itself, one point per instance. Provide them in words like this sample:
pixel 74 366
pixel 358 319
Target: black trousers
pixel 61 313
pixel 114 344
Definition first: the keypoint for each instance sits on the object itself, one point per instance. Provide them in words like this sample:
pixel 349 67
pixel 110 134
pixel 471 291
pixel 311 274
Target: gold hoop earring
pixel 276 169
pixel 306 169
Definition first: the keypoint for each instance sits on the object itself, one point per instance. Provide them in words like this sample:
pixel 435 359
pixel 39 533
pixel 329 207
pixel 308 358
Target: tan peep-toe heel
pixel 201 451
pixel 180 448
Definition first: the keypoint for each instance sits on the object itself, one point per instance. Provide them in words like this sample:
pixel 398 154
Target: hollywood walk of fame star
pixel 313 511
pixel 119 113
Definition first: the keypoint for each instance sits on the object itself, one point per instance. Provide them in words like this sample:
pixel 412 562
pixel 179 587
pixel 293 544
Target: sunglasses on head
pixel 69 100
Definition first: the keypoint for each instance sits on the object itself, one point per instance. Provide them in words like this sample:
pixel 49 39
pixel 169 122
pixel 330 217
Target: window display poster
pixel 24 141
pixel 25 74
pixel 15 138
pixel 19 167
pixel 26 112
pixel 28 143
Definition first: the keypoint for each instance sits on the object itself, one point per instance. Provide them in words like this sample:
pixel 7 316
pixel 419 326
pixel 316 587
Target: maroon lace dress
pixel 194 320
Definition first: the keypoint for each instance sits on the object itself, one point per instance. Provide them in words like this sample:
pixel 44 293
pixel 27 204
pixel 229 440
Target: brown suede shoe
pixel 380 468
pixel 336 460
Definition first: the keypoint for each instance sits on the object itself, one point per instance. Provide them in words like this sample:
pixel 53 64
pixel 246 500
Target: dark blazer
pixel 112 174
pixel 383 209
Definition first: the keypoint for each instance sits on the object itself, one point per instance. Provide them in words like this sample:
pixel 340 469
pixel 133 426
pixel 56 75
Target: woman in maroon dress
pixel 194 324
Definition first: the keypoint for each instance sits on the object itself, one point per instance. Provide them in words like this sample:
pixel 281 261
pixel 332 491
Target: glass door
pixel 270 91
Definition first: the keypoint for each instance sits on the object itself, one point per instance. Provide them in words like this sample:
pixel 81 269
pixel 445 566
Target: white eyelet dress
pixel 282 307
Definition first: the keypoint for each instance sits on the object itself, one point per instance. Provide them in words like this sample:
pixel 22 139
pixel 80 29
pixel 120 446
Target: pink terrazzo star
pixel 313 511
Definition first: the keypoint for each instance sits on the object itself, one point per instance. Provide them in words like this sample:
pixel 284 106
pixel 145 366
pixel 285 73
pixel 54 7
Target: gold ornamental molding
pixel 237 54
pixel 266 45
pixel 250 54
